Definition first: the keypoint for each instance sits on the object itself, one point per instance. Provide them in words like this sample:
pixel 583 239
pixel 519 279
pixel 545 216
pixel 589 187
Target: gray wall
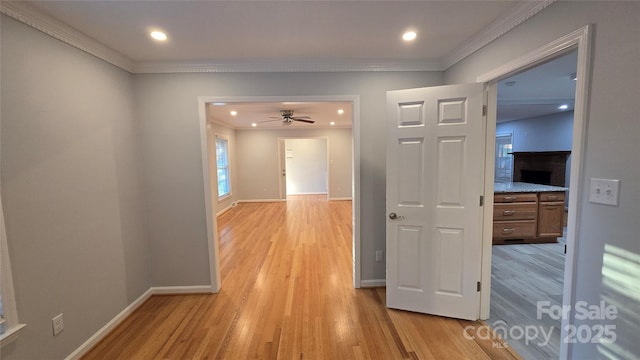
pixel 168 112
pixel 307 166
pixel 611 149
pixel 71 190
pixel 543 133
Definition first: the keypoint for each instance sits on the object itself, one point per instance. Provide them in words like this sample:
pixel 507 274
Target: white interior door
pixel 282 168
pixel 435 178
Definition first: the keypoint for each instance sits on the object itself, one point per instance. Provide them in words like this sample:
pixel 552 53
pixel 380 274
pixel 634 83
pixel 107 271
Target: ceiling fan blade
pixel 275 117
pixel 301 117
pixel 265 121
pixel 303 120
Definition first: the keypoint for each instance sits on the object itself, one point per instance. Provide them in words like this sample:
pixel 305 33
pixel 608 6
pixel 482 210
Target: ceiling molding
pixel 40 21
pixel 355 65
pixel 503 25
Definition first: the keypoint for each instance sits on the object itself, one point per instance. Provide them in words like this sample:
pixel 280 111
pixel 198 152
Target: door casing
pixel 581 40
pixel 212 237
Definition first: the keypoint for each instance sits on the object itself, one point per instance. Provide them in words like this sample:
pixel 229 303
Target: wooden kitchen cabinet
pixel 550 215
pixel 527 217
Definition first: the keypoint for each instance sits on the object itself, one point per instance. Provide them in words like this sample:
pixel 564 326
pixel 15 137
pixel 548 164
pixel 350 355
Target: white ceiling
pixel 538 91
pixel 323 113
pixel 267 30
pixel 236 35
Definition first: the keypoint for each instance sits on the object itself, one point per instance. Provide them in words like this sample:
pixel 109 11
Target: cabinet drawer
pixel 552 196
pixel 515 211
pixel 515 197
pixel 514 229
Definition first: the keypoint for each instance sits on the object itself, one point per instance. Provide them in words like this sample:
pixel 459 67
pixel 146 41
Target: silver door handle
pixel 394 216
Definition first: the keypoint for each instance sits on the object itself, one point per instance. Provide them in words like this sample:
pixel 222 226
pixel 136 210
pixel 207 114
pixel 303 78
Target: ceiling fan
pixel 287 118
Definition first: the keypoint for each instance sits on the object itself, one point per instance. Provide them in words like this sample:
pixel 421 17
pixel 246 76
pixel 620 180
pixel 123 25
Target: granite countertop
pixel 515 187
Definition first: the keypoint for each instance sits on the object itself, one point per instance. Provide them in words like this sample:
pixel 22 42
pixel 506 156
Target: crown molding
pixel 505 24
pixel 296 65
pixel 42 22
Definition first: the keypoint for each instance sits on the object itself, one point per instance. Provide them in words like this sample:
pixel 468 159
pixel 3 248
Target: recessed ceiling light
pixel 254 124
pixel 563 107
pixel 233 113
pixel 409 36
pixel 340 111
pixel 332 123
pixel 158 35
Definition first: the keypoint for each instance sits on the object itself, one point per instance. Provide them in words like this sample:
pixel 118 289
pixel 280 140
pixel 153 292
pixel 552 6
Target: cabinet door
pixel 550 218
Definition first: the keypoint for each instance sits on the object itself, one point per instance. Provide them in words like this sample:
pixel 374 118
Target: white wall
pixel 608 241
pixel 306 165
pixel 71 190
pixel 168 113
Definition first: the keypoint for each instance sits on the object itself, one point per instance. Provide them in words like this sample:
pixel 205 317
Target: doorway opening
pixel 269 178
pixel 579 41
pixel 535 122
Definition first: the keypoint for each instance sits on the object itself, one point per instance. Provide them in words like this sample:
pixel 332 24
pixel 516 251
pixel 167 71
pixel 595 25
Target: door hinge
pixel 478 286
pixel 484 110
pixel 481 200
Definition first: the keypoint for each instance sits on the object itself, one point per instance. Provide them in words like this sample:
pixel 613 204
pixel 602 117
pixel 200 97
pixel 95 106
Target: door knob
pixel 394 216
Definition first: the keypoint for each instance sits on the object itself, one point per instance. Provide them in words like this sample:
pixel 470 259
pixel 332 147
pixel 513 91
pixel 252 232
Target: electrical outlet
pixel 378 255
pixel 58 324
pixel 604 191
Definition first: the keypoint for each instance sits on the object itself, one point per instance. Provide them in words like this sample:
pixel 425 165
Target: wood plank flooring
pixel 522 275
pixel 287 293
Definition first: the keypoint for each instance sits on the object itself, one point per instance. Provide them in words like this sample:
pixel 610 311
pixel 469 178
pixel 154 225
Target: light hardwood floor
pixel 522 275
pixel 287 293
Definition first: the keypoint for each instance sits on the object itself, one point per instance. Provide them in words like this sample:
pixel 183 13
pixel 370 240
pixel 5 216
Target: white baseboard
pixel 175 290
pixel 340 199
pixel 373 283
pixel 105 330
pixel 259 200
pixel 224 210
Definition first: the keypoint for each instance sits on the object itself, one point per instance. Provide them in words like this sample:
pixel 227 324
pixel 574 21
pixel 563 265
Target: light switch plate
pixel 604 191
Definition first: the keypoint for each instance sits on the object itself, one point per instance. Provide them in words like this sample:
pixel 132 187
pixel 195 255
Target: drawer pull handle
pixel 509 198
pixel 508 231
pixel 508 212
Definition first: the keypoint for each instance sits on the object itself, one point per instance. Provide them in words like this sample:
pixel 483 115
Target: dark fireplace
pixel 540 167
pixel 536 177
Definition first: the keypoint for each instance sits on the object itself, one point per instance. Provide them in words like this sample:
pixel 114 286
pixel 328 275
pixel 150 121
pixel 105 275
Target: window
pixel 504 159
pixel 222 161
pixel 9 326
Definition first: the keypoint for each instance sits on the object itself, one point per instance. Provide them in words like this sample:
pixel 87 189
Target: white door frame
pixel 580 40
pixel 212 232
pixel 282 166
